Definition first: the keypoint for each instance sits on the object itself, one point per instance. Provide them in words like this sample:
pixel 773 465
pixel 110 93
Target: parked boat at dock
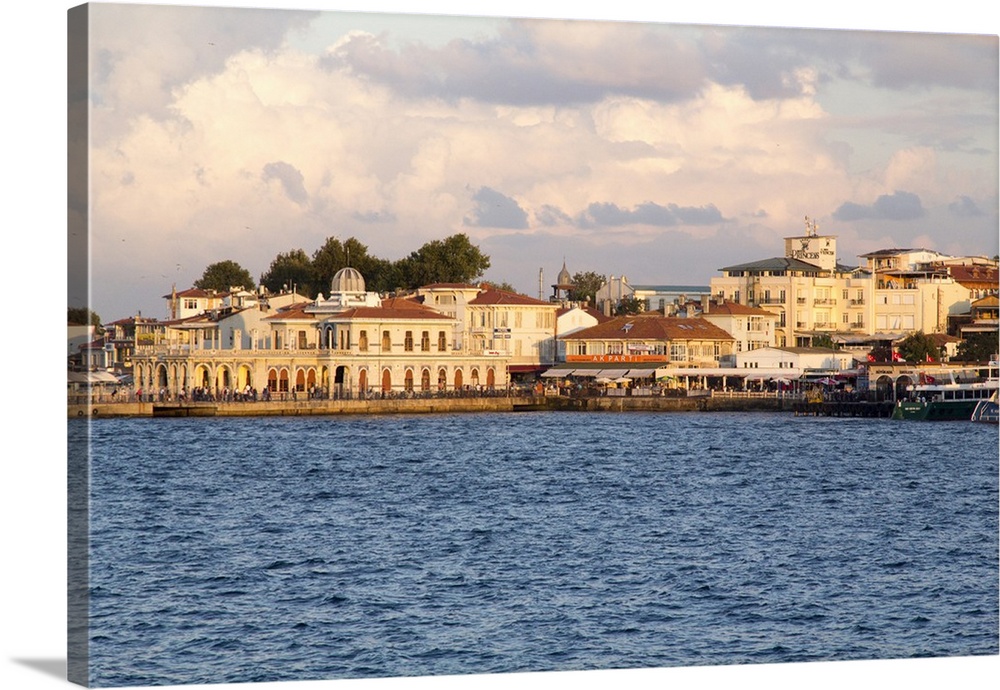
pixel 948 396
pixel 987 411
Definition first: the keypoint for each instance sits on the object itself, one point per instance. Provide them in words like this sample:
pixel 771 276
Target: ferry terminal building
pixel 351 344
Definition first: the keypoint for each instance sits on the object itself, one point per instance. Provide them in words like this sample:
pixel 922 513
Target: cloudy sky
pixel 661 151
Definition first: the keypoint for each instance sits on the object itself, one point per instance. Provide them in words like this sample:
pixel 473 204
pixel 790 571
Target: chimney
pixel 704 304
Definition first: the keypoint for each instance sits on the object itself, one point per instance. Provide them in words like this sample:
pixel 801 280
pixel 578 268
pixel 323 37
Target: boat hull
pixel 935 410
pixel 987 411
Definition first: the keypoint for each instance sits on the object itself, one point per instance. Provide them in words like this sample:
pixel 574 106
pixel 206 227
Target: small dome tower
pixel 347 279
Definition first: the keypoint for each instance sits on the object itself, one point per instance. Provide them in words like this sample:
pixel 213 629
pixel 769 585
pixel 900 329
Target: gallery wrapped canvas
pixel 452 347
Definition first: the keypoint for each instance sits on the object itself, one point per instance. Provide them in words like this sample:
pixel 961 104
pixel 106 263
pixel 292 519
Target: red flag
pixel 871 357
pixel 896 357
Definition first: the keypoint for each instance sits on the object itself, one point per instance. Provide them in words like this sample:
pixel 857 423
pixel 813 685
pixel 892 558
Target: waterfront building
pixel 191 302
pixel 979 274
pixel 913 290
pixel 803 360
pixel 498 323
pixel 78 335
pixel 983 317
pixel 124 336
pixel 650 339
pixel 572 319
pixel 751 327
pixel 519 328
pixel 807 289
pixel 352 343
pixel 893 292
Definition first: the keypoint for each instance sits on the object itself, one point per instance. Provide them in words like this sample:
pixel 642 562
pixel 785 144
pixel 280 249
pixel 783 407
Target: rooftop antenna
pixel 811 227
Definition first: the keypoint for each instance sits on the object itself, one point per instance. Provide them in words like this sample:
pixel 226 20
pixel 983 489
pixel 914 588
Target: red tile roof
pixel 663 328
pixel 736 309
pixel 975 274
pixel 393 308
pixel 193 292
pixel 492 295
pixel 292 312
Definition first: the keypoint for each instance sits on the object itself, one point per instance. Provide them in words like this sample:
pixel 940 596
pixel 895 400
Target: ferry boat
pixel 987 411
pixel 947 396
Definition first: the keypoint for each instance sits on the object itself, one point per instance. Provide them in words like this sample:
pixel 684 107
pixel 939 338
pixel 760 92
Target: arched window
pixel 474 378
pixel 408 381
pixel 425 380
pixel 458 379
pixel 363 381
pixel 386 381
pixel 491 378
pixel 442 379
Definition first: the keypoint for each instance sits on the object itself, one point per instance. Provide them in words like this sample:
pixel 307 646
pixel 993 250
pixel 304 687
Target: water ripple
pixel 244 550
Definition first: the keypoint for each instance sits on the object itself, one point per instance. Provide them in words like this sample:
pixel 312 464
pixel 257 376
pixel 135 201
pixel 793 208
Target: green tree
pixel 918 347
pixel 83 316
pixel 503 286
pixel 292 269
pixel 585 286
pixel 382 275
pixel 223 275
pixel 452 260
pixel 978 347
pixel 335 255
pixel 629 304
pixel 824 340
pixel 880 353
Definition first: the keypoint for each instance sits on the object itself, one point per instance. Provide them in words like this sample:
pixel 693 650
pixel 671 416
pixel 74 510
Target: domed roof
pixel 564 278
pixel 347 279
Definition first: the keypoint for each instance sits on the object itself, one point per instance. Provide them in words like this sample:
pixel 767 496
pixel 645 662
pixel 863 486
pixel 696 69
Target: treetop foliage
pixel 454 259
pixel 223 275
pixel 585 286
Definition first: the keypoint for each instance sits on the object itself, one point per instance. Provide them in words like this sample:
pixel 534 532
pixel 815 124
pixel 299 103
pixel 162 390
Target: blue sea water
pixel 262 549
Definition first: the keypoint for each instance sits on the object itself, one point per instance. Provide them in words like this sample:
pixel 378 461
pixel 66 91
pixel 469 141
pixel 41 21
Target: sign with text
pixel 616 359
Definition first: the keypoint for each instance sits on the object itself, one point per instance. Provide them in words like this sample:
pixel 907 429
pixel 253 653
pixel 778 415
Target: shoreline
pixel 512 404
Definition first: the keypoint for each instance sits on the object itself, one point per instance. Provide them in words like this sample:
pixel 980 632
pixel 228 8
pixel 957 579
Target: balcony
pixel 857 302
pixel 824 300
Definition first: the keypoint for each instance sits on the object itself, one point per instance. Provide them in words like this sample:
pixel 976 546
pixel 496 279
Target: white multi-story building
pixel 752 328
pixel 893 292
pixel 499 323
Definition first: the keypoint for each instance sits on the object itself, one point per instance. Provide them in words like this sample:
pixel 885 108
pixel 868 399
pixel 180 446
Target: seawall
pixel 422 406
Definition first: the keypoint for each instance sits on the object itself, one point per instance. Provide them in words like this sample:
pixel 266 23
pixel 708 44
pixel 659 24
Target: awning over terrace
pixel 594 372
